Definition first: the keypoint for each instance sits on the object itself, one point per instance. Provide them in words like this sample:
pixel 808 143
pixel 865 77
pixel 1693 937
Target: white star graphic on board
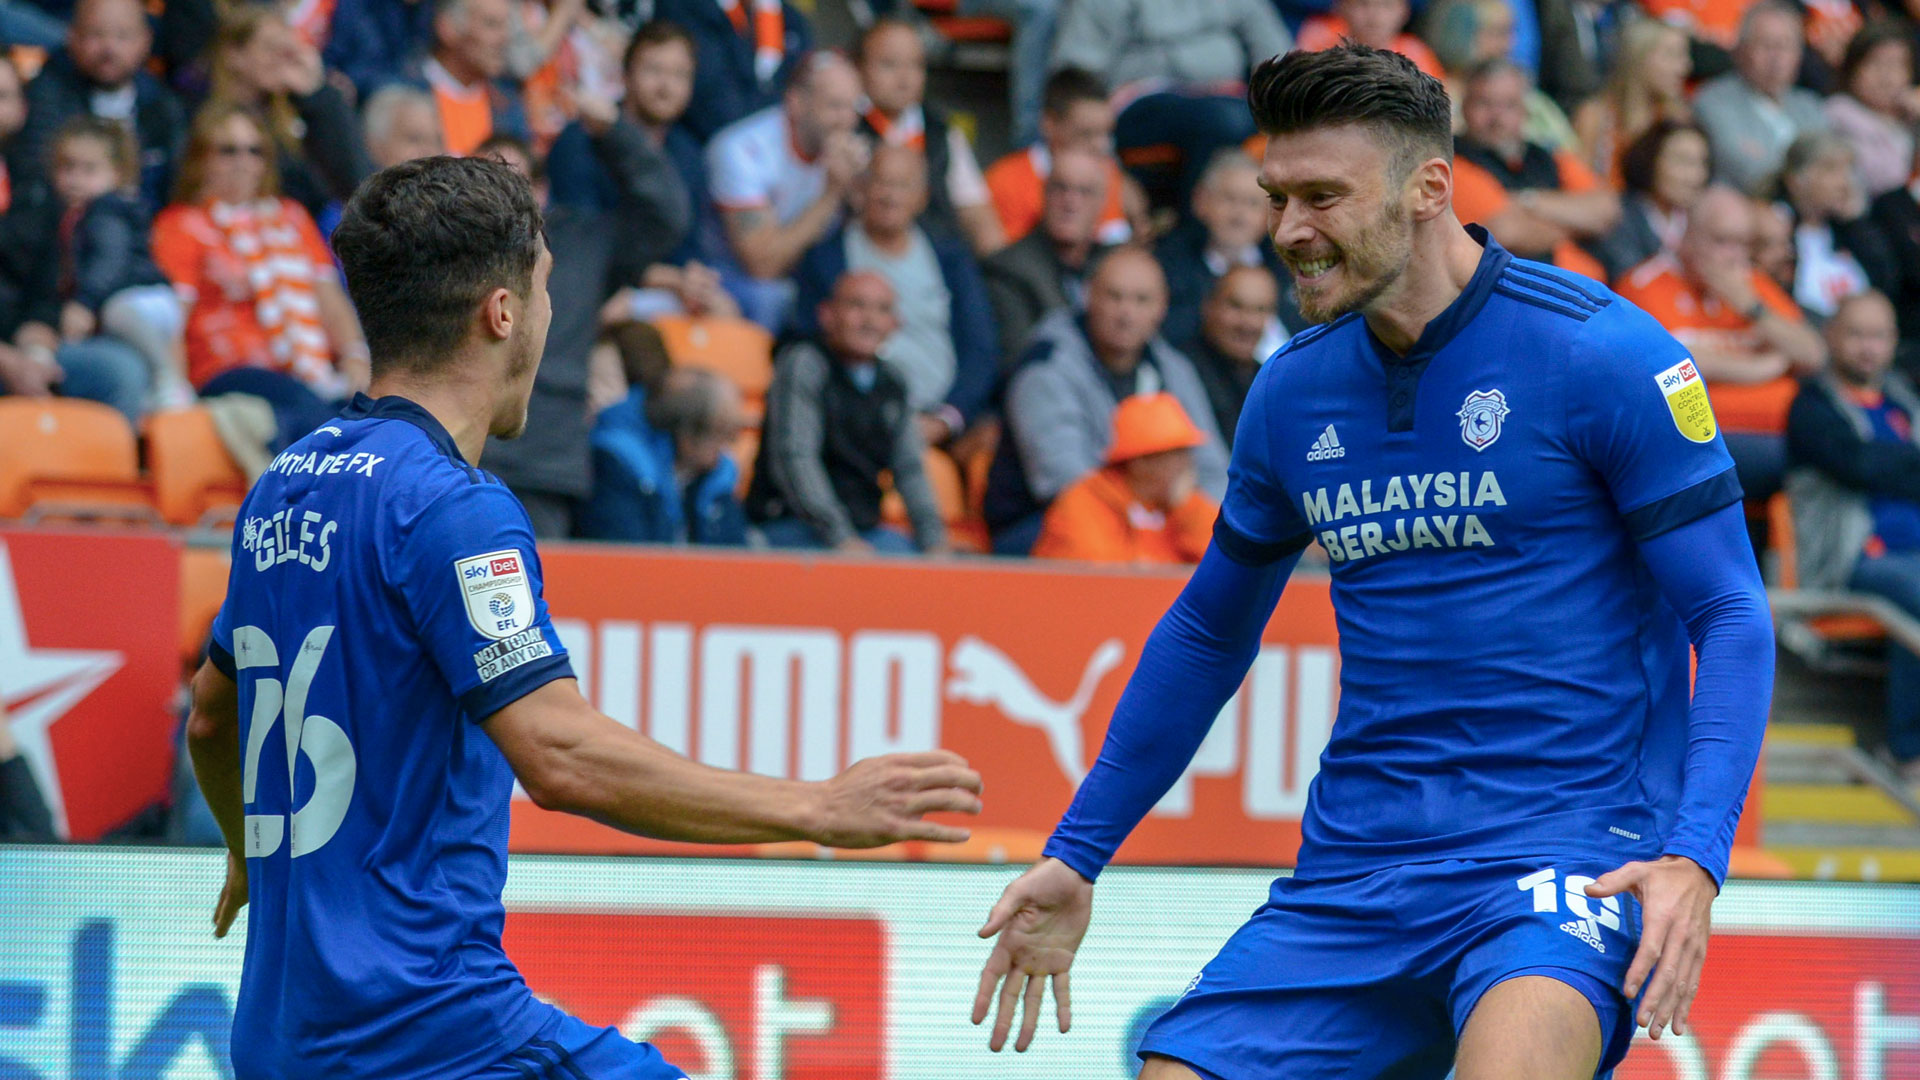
pixel 38 686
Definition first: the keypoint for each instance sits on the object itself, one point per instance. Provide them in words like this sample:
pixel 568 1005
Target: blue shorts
pixel 1375 976
pixel 568 1049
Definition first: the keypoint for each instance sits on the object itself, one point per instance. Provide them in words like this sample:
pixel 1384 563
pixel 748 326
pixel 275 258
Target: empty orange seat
pixel 1838 627
pixel 739 350
pixel 65 458
pixel 194 477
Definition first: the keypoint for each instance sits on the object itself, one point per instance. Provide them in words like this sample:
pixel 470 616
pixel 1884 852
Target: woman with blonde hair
pixel 261 63
pixel 265 311
pixel 1648 85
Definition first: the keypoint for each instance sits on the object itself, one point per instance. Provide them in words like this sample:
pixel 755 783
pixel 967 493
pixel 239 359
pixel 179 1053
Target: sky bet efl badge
pixel 499 596
pixel 1686 396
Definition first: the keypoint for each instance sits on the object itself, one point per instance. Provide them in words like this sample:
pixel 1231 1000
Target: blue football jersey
pixel 385 596
pixel 1512 682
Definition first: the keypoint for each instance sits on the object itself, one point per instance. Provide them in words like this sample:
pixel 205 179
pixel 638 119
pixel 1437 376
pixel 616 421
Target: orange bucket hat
pixel 1151 424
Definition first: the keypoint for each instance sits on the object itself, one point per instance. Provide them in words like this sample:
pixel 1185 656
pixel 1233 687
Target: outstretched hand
pixel 1040 918
pixel 882 800
pixel 1676 900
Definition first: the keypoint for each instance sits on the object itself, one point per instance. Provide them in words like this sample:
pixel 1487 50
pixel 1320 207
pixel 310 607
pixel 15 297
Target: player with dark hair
pixel 1521 820
pixel 385 640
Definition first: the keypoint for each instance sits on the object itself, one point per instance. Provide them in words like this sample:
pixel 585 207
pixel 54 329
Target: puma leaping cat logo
pixel 983 675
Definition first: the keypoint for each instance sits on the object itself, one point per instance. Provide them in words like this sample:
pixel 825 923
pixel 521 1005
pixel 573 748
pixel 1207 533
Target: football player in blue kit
pixel 1522 817
pixel 384 667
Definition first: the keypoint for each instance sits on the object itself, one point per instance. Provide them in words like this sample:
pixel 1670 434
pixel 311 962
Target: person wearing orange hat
pixel 1144 505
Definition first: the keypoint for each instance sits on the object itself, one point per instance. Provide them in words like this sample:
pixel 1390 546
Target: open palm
pixel 1040 920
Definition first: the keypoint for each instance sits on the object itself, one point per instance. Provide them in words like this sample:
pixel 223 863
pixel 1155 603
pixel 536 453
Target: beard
pixel 1365 270
pixel 521 362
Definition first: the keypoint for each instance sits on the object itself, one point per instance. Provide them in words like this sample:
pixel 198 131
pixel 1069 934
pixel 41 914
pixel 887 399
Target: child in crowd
pixel 108 281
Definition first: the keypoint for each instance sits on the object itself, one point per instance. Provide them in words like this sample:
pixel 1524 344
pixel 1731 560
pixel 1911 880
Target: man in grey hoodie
pixel 1060 397
pixel 1854 479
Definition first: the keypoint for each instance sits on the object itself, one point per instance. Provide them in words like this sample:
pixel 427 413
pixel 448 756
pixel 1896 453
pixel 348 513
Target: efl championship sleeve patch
pixel 498 591
pixel 1686 394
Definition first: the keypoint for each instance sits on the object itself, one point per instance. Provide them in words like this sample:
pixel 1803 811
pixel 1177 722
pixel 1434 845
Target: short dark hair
pixel 1069 87
pixel 1871 37
pixel 492 145
pixel 1494 66
pixel 1637 161
pixel 879 26
pixel 1355 84
pixel 424 242
pixel 653 33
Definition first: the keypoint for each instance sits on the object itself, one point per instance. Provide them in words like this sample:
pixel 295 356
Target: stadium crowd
pixel 904 347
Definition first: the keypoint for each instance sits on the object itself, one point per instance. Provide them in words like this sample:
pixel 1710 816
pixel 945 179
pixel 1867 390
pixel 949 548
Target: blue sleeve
pixel 1705 570
pixel 1638 414
pixel 975 338
pixel 1193 661
pixel 1258 522
pixel 470 578
pixel 813 280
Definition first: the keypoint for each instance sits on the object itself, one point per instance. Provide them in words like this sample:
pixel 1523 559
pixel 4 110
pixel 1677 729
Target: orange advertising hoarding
pixel 797 667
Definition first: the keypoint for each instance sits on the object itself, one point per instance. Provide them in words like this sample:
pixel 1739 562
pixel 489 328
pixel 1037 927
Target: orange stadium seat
pixel 746 453
pixel 1839 628
pixel 964 532
pixel 740 350
pixel 195 480
pixel 62 458
pixel 203 587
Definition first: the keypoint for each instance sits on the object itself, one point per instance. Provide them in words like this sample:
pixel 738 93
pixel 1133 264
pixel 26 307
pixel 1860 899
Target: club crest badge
pixel 1480 416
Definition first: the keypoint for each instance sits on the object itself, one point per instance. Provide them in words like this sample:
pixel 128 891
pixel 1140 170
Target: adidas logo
pixel 1586 931
pixel 1326 447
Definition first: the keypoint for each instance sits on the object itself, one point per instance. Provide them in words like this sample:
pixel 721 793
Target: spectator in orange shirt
pixel 465 69
pixel 1144 505
pixel 1538 203
pixel 1744 331
pixel 265 312
pixel 1379 23
pixel 1074 115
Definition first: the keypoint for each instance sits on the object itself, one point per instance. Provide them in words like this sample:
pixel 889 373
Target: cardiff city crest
pixel 1480 417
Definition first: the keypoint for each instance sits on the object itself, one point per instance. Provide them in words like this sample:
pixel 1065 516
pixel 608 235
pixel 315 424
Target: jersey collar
pixel 1450 322
pixel 394 407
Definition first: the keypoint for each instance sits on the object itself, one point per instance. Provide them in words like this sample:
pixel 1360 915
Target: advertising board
pixel 820 970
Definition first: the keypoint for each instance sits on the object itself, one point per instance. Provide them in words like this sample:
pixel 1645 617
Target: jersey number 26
pixel 320 739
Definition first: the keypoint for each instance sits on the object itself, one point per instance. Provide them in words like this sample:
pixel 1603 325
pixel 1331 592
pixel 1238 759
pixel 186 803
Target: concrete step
pixel 1810 734
pixel 1851 863
pixel 1832 805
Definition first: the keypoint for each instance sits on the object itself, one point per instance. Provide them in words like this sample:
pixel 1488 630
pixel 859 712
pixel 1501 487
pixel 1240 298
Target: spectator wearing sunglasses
pixel 265 311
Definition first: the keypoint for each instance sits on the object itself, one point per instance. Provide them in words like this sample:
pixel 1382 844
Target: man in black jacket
pixel 837 417
pixel 1896 215
pixel 1854 479
pixel 1226 352
pixel 1046 269
pixel 550 466
pixel 101 71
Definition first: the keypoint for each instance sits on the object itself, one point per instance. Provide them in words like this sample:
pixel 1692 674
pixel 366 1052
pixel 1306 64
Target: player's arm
pixel 1640 417
pixel 1193 661
pixel 213 742
pixel 1706 572
pixel 572 758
